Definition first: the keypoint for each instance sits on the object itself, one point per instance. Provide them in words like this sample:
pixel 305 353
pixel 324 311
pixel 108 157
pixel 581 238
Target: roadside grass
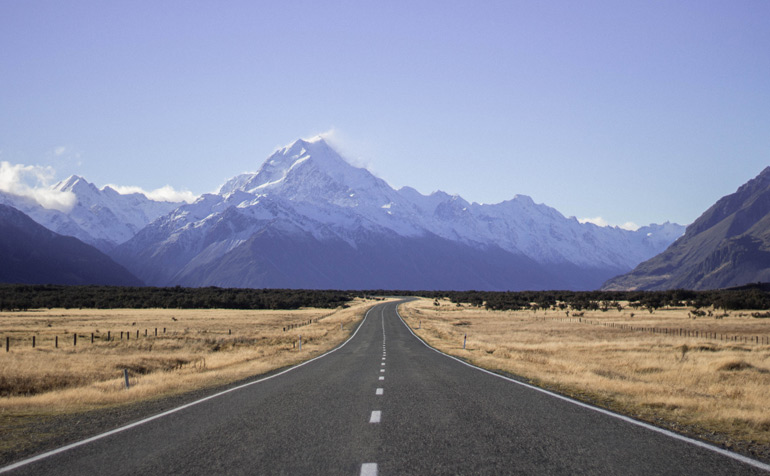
pixel 717 390
pixel 199 349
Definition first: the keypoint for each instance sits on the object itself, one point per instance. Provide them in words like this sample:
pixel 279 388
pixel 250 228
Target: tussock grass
pixel 717 389
pixel 199 349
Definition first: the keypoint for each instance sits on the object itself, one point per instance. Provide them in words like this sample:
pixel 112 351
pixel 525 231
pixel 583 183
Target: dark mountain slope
pixel 276 258
pixel 729 245
pixel 32 254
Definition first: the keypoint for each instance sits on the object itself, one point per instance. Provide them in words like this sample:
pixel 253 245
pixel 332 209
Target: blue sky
pixel 640 111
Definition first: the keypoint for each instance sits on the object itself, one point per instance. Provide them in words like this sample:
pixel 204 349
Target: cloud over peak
pixel 32 181
pixel 167 193
pixel 599 221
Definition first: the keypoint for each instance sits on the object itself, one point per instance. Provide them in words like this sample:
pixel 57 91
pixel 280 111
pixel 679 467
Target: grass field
pixel 198 349
pixel 715 386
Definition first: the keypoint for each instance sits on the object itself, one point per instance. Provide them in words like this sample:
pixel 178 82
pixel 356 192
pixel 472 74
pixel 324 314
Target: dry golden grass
pixel 704 384
pixel 200 348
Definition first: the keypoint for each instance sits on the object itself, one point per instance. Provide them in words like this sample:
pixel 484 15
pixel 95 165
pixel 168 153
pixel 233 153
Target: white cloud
pixel 32 181
pixel 599 221
pixel 66 154
pixel 166 193
pixel 347 148
pixel 629 225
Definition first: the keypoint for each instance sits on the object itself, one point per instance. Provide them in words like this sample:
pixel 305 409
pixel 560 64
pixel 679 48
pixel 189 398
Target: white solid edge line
pixel 686 439
pixel 174 410
pixel 369 469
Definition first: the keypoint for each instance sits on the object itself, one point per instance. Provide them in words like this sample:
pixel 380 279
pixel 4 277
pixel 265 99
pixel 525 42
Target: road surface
pixel 384 403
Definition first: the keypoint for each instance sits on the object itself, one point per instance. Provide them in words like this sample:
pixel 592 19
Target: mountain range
pixel 727 246
pixel 102 217
pixel 309 219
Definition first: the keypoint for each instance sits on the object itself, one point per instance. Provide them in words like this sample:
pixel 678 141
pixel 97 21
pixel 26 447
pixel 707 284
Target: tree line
pixel 604 300
pixel 22 297
pixel 754 297
pixel 14 297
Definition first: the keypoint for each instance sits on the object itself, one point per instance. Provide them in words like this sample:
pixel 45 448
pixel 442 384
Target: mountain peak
pixel 306 159
pixel 301 146
pixel 70 183
pixel 77 185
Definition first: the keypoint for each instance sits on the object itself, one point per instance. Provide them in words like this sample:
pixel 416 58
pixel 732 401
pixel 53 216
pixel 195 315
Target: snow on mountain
pixel 31 253
pixel 103 217
pixel 309 195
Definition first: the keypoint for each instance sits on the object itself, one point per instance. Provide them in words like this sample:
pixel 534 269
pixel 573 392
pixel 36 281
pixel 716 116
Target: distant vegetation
pixel 754 297
pixel 732 299
pixel 22 297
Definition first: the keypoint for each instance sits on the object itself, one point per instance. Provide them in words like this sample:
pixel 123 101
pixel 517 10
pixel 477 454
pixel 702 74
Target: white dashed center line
pixel 369 469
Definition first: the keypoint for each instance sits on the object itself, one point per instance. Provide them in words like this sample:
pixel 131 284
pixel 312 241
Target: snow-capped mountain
pixel 102 217
pixel 307 218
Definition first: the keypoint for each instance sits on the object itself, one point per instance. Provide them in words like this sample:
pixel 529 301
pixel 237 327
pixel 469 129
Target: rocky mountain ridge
pixel 727 246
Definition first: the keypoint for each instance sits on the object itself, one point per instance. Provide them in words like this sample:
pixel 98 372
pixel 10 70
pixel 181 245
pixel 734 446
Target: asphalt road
pixel 386 404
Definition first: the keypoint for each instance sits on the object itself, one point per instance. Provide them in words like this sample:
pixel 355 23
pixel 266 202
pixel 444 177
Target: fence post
pixel 156 332
pixel 33 342
pixel 300 342
pixel 75 339
pixel 56 342
pixel 7 343
pixel 125 376
pixel 465 337
pixel 92 337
